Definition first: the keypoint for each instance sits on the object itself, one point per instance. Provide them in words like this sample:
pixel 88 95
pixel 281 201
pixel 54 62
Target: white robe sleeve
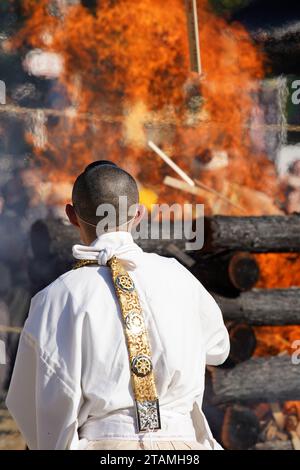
pixel 216 337
pixel 42 396
pixel 214 340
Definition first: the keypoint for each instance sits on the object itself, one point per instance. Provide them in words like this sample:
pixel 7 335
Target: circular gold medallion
pixel 124 282
pixel 141 365
pixel 134 323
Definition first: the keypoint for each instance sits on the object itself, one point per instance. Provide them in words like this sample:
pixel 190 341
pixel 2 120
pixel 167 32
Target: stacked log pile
pixel 227 268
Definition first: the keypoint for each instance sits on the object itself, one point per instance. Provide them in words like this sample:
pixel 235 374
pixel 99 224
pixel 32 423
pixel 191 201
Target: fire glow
pixel 110 69
pixel 126 75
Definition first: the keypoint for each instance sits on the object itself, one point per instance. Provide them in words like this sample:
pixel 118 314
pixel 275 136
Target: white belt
pixel 122 426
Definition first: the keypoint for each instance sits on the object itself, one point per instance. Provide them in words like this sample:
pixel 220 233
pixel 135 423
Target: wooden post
pixel 193 32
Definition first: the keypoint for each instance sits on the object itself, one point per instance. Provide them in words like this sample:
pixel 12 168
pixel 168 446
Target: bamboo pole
pixel 193 35
pixel 200 190
pixel 10 329
pixel 171 164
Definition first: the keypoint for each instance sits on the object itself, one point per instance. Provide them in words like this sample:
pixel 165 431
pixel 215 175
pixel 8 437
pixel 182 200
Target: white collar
pixel 119 244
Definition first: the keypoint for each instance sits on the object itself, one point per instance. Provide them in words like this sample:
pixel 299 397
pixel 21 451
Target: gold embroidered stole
pixel 139 351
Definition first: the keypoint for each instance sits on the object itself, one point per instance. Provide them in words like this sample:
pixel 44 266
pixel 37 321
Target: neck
pixel 91 237
pixel 87 235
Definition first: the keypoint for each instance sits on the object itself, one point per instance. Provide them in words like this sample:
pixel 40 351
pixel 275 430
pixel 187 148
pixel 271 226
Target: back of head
pixel 101 183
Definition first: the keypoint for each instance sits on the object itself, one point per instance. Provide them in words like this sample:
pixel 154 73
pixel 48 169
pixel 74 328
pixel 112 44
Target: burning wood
pixel 200 190
pixel 240 430
pixel 182 186
pixel 171 164
pixel 228 273
pixel 242 343
pixel 193 33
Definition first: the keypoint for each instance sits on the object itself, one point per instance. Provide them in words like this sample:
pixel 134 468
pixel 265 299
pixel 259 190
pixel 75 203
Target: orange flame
pixel 137 52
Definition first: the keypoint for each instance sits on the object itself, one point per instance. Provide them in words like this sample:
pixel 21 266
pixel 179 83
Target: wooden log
pixel 55 237
pixel 263 307
pixel 274 445
pixel 240 429
pixel 257 380
pixel 261 234
pixel 242 343
pixel 254 234
pixel 227 273
pixel 243 271
pixel 161 246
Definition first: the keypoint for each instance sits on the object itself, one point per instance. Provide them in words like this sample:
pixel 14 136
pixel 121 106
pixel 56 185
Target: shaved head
pixel 103 182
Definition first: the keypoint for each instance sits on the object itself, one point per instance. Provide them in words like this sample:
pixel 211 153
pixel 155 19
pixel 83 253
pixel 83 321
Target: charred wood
pixel 257 380
pixel 240 429
pixel 254 234
pixel 263 307
pixel 228 273
pixel 242 343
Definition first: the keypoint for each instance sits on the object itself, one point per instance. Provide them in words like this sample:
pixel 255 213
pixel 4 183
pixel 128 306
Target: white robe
pixel 72 378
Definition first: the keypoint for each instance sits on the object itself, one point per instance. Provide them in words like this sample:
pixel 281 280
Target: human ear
pixel 71 214
pixel 141 210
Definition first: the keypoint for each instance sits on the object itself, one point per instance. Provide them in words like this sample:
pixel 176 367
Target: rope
pixel 10 329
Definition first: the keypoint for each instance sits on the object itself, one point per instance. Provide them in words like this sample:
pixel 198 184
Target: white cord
pixel 150 432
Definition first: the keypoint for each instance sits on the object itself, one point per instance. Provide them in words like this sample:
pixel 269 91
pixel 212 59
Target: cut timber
pixel 260 234
pixel 274 445
pixel 257 234
pixel 243 271
pixel 263 307
pixel 240 429
pixel 226 273
pixel 257 380
pixel 242 343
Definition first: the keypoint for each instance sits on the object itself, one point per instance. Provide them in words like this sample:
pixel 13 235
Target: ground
pixel 10 437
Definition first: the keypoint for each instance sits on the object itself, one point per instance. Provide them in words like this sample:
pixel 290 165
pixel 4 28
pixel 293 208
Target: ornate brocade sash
pixel 139 351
